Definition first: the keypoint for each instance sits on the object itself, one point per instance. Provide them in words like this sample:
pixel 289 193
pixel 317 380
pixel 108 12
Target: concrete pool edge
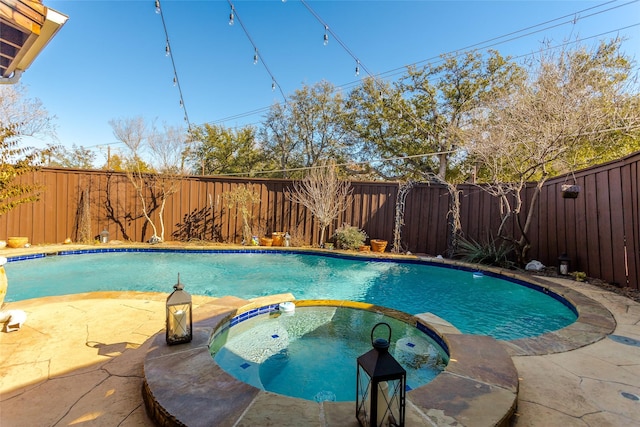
pixel 184 386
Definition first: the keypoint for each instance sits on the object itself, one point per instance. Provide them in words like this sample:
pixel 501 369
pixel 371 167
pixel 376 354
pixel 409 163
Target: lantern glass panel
pixel 179 325
pixel 363 400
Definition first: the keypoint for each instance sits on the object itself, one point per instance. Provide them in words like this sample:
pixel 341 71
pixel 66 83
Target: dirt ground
pixel 628 292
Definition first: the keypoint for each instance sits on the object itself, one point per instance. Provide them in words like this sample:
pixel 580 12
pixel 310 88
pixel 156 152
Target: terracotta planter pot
pixel 277 238
pixel 17 242
pixel 266 241
pixel 378 245
pixel 364 248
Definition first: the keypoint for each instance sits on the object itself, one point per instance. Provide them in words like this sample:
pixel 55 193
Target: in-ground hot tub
pixel 184 385
pixel 310 352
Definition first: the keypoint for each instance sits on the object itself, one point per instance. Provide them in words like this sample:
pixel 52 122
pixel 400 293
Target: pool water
pixel 311 353
pixel 477 305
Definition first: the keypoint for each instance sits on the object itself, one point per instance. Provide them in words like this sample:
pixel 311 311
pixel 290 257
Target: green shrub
pixel 579 276
pixel 489 252
pixel 349 237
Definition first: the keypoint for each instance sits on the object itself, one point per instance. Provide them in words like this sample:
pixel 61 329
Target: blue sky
pixel 109 60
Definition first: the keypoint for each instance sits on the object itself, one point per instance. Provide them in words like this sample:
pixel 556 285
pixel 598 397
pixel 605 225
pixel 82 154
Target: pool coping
pixel 184 386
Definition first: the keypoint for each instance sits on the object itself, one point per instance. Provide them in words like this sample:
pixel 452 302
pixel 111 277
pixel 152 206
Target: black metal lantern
pixel 104 236
pixel 380 385
pixel 179 316
pixel 564 264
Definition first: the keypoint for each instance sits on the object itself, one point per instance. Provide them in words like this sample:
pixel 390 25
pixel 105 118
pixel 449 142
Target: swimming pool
pixel 505 309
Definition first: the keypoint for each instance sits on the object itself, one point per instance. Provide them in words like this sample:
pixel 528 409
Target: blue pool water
pixel 275 352
pixel 485 305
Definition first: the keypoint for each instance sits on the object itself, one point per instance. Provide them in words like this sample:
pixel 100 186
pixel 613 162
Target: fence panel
pixel 599 230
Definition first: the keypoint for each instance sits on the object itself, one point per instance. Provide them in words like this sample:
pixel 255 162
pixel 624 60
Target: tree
pixel 15 161
pixel 19 116
pixel 323 194
pixel 418 122
pixel 25 116
pixel 307 130
pixel 243 198
pixel 167 151
pixel 78 157
pixel 372 115
pixel 574 104
pixel 278 141
pixel 218 150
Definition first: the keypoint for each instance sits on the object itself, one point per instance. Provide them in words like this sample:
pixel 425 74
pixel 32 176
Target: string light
pixel 357 68
pixel 326 35
pixel 176 81
pixel 257 58
pixel 231 16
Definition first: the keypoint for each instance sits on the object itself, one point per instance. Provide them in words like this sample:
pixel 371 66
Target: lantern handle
pixel 374 328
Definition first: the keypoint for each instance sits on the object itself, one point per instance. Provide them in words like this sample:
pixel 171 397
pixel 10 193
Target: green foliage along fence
pixel 599 230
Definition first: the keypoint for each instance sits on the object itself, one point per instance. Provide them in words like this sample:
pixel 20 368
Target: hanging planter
pixel 570 191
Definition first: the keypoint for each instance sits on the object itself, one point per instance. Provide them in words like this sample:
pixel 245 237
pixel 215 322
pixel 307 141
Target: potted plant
pixel 349 237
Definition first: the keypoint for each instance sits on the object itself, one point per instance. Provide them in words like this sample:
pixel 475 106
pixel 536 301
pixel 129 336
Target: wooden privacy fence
pixel 599 230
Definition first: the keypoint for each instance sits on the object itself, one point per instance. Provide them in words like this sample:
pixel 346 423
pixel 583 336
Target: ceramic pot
pixel 277 238
pixel 378 245
pixel 266 241
pixel 17 242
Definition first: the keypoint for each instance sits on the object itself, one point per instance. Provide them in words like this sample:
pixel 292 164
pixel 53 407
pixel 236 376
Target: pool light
pixel 179 319
pixel 380 385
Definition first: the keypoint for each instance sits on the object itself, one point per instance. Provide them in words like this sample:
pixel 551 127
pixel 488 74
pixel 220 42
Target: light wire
pixel 173 64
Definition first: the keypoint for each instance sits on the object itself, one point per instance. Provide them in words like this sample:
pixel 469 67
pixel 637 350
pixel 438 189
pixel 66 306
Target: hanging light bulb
pixel 181 103
pixel 158 7
pixel 167 50
pixel 357 68
pixel 255 57
pixel 175 80
pixel 273 85
pixel 326 36
pixel 231 16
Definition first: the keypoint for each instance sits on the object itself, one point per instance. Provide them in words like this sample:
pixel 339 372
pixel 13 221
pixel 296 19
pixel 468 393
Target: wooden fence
pixel 599 230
